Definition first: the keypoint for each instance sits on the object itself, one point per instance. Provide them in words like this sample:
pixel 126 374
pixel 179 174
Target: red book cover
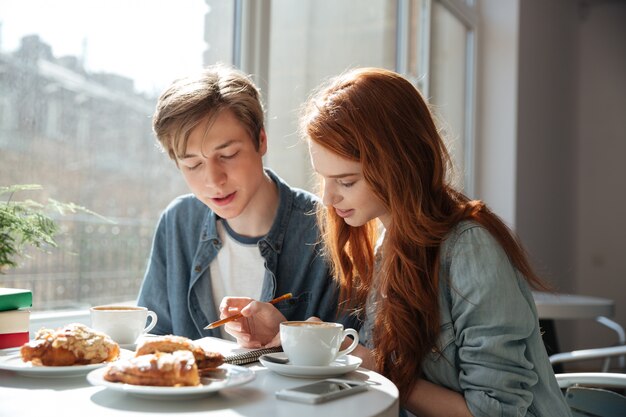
pixel 10 340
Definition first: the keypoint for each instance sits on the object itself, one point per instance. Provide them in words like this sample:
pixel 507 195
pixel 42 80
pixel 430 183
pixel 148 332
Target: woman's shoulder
pixel 470 241
pixel 468 231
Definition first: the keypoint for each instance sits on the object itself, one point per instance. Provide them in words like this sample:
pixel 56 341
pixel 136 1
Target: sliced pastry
pixel 168 344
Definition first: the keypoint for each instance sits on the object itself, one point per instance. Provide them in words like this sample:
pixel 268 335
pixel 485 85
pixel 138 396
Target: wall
pixel 546 148
pixel 600 119
pixel 570 150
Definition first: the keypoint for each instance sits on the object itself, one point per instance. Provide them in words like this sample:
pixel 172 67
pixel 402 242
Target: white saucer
pixel 16 364
pixel 232 376
pixel 341 366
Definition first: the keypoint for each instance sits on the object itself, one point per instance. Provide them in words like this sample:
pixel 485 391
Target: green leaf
pixel 28 223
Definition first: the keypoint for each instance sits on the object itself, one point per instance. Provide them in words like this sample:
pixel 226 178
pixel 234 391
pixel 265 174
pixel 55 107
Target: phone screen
pixel 321 391
pixel 325 387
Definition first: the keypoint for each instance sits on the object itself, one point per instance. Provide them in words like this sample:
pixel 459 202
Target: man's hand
pixel 260 325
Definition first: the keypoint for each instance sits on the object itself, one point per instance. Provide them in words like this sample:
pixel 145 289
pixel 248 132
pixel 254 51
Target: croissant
pixel 73 344
pixel 159 369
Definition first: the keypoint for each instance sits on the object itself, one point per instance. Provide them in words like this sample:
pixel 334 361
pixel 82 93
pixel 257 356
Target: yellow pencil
pixel 238 315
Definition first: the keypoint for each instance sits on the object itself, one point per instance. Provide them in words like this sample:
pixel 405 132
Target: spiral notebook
pixel 244 358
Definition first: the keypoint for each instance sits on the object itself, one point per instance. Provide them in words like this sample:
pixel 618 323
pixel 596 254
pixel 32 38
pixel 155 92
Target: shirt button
pixel 198 268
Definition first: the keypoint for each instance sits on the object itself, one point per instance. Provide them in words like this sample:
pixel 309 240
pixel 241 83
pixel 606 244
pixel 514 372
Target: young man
pixel 243 232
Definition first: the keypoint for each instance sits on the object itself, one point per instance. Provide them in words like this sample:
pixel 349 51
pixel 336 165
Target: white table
pixel 568 306
pixel 552 306
pixel 22 396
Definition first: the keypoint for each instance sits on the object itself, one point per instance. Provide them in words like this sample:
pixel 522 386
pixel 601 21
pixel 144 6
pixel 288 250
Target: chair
pixel 586 354
pixel 590 394
pixel 587 397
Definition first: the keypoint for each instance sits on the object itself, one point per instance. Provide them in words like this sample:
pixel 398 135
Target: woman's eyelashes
pixel 346 184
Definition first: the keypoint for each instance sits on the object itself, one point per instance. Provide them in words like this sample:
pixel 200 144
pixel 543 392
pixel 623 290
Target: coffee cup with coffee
pixel 124 324
pixel 314 343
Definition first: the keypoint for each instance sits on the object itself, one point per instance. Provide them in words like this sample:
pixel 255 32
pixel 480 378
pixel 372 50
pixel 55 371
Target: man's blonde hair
pixel 192 99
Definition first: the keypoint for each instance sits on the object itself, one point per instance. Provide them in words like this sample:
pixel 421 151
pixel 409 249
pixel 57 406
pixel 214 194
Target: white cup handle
pixel 153 322
pixel 353 345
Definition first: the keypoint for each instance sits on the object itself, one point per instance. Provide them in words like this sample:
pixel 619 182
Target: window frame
pixel 467 13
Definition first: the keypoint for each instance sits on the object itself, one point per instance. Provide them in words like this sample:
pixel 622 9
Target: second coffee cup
pixel 124 324
pixel 311 343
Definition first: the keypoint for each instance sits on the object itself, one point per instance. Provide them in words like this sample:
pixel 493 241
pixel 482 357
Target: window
pixel 310 41
pixel 430 42
pixel 77 95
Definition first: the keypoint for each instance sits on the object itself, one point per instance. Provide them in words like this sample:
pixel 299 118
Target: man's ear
pixel 262 142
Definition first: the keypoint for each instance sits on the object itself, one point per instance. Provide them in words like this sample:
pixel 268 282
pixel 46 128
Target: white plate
pixel 233 376
pixel 16 364
pixel 131 346
pixel 341 366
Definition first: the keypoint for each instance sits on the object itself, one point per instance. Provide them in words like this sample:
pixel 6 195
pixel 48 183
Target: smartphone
pixel 321 391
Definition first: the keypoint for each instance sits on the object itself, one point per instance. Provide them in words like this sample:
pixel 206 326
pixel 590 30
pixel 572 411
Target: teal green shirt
pixel 490 346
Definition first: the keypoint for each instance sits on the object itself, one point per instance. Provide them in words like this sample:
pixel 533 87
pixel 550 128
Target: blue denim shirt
pixel 490 347
pixel 177 285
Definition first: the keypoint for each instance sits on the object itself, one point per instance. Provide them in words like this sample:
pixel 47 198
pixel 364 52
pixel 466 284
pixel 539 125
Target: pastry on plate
pixel 174 369
pixel 168 344
pixel 73 344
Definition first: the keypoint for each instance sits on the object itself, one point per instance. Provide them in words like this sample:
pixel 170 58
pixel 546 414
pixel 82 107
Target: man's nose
pixel 214 175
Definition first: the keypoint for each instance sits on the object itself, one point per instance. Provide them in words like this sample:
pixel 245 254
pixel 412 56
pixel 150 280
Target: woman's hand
pixel 260 325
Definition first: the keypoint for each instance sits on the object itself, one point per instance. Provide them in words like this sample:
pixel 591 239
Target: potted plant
pixel 25 223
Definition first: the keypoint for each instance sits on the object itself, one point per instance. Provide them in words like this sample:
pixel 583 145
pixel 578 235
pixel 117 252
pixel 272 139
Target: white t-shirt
pixel 238 269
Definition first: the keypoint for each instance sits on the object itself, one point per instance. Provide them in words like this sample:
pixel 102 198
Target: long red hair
pixel 378 118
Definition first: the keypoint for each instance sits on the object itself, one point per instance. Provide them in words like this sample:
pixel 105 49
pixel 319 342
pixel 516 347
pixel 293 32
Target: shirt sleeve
pixel 153 291
pixel 492 321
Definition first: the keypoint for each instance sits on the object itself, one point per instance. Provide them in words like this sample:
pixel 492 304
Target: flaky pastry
pixel 73 344
pixel 167 344
pixel 174 369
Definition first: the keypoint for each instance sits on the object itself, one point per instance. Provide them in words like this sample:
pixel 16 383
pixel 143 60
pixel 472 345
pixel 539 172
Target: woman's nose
pixel 330 197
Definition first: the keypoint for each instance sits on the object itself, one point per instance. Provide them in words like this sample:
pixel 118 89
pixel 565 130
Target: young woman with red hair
pixel 444 290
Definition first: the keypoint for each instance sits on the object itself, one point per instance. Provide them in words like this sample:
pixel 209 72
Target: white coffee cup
pixel 124 324
pixel 311 343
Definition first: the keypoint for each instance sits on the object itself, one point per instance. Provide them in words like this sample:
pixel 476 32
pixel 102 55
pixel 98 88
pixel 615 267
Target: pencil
pixel 238 315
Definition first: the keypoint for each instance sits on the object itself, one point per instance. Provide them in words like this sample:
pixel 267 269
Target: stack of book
pixel 14 316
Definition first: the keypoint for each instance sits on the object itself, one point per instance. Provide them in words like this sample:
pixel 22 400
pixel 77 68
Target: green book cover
pixel 14 298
